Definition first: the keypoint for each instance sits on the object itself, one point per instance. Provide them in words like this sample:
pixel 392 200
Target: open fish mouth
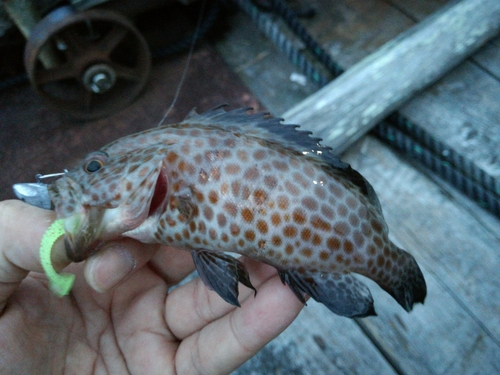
pixel 82 234
pixel 89 226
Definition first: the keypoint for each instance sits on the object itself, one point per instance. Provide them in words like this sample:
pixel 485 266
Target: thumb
pixel 21 229
pixel 115 262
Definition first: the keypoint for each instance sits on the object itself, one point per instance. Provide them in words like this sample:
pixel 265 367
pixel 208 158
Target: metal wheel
pixel 88 64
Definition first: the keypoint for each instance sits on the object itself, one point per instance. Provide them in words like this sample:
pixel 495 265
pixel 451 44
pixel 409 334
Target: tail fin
pixel 411 287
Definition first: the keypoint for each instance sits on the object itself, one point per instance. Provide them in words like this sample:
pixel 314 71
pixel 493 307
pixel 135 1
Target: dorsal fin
pixel 268 128
pixel 264 126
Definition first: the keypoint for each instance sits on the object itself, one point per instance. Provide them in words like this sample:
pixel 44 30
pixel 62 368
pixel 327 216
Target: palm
pixel 87 333
pixel 138 327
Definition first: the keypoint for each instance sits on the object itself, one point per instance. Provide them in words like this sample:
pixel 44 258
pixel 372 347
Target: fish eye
pixel 95 161
pixel 93 166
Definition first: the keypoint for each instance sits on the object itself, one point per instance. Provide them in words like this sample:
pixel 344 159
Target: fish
pixel 239 182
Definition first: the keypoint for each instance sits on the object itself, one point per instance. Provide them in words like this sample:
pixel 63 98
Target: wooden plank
pixel 318 342
pixel 350 30
pixel 458 327
pixel 487 57
pixel 462 110
pixel 452 109
pixel 487 106
pixel 418 10
pixel 351 105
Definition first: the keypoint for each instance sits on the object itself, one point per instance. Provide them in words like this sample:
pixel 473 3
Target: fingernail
pixel 108 268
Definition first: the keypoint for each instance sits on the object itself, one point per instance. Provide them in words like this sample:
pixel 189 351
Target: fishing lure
pixel 60 284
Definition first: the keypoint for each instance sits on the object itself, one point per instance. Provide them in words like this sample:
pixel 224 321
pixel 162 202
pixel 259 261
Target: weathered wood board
pixel 475 128
pixel 449 108
pixel 463 111
pixel 350 106
pixel 318 342
pixel 487 58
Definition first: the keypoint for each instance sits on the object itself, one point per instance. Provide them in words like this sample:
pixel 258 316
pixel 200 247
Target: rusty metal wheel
pixel 88 64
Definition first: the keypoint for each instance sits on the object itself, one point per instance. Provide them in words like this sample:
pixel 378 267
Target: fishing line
pixel 188 61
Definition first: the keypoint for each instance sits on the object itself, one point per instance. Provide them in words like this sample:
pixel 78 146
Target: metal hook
pixel 39 176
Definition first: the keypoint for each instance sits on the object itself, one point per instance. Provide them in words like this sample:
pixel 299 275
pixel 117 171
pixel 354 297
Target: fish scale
pixel 232 182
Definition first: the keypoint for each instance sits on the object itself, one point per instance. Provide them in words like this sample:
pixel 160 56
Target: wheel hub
pixel 99 78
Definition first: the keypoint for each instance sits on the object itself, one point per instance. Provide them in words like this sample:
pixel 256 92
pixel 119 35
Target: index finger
pixel 21 229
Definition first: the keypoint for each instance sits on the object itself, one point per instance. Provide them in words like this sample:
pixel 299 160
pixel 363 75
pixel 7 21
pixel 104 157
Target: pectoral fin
pixel 341 293
pixel 221 273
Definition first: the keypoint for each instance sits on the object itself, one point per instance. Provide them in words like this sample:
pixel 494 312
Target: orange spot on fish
pixel 348 247
pixel 213 197
pixel 318 223
pixel 260 196
pixel 231 209
pixel 276 219
pixel 290 231
pixel 234 229
pixel 250 235
pixel 324 255
pixel 305 234
pixel 299 216
pixel 262 226
pixel 306 252
pixel 333 243
pixel 247 215
pixel 276 241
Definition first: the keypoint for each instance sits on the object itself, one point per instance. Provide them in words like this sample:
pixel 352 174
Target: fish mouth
pixel 74 252
pixel 82 235
pixel 88 230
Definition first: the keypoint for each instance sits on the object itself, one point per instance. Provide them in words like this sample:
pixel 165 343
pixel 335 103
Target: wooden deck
pixel 456 243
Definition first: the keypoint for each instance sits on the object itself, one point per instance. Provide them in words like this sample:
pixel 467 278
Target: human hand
pixel 123 320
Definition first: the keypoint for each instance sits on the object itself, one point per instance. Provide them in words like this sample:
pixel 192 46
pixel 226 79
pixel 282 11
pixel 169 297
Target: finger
pixel 139 324
pixel 115 262
pixel 21 229
pixel 172 264
pixel 241 333
pixel 193 305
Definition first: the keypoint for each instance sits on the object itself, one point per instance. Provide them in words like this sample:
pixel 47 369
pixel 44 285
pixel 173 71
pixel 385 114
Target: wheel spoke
pixel 112 39
pixel 59 73
pixel 126 73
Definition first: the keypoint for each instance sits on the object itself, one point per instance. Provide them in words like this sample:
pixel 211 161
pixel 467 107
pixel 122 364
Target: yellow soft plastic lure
pixel 59 284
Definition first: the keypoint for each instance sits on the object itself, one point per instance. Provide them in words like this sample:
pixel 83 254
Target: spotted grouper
pixel 244 183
